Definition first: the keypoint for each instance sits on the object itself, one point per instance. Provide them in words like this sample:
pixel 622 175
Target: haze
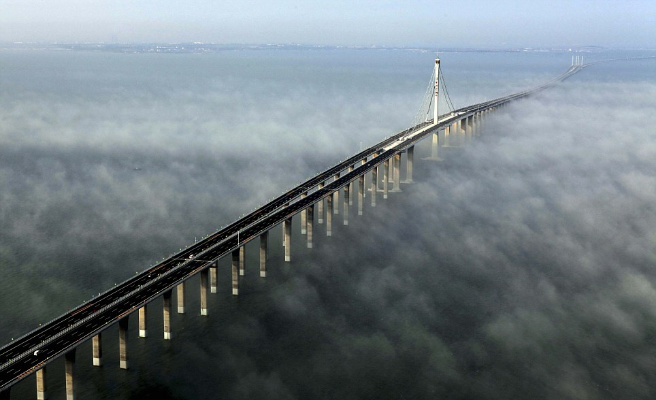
pixel 334 22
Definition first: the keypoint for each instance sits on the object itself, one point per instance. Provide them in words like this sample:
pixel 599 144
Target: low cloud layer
pixel 520 267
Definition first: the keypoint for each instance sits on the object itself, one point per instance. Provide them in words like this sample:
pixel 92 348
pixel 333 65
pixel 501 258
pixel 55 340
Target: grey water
pixel 521 266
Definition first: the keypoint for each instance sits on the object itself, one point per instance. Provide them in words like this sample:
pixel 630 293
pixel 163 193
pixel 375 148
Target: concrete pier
pixel 336 197
pixel 303 217
pixel 288 239
pixel 320 205
pixel 123 342
pixel 235 272
pixel 350 185
pixel 166 309
pixel 180 290
pixel 374 185
pixel 264 239
pixel 360 194
pixel 143 329
pixel 329 215
pixel 96 348
pixel 41 393
pixel 410 157
pixel 213 277
pixel 204 275
pixel 69 370
pixel 347 198
pixel 469 130
pixel 310 225
pixel 397 172
pixel 435 145
pixel 385 177
pixel 242 260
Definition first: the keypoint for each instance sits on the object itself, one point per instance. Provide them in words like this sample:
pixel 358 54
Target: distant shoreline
pixel 200 48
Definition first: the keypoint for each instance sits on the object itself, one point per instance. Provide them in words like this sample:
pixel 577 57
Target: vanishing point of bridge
pixel 316 199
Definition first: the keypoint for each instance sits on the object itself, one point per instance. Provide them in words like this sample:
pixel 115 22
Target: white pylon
pixel 437 90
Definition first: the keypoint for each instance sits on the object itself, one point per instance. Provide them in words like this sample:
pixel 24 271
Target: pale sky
pixel 335 22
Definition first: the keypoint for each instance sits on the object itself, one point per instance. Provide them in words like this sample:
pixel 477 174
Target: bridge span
pixel 318 198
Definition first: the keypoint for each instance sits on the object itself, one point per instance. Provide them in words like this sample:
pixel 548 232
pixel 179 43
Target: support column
pixel 242 260
pixel 397 172
pixel 410 158
pixel 288 239
pixel 360 194
pixel 374 185
pixel 143 313
pixel 235 272
pixel 350 186
pixel 385 177
pixel 69 370
pixel 203 290
pixel 41 393
pixel 320 205
pixel 310 225
pixel 123 342
pixel 329 215
pixel 213 277
pixel 96 347
pixel 303 217
pixel 264 239
pixel 166 297
pixel 336 197
pixel 470 127
pixel 435 145
pixel 347 195
pixel 181 297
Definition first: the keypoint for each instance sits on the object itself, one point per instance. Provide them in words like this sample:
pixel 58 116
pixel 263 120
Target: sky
pixel 471 23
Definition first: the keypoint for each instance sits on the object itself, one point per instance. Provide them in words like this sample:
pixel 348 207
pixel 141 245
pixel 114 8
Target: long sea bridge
pixel 376 170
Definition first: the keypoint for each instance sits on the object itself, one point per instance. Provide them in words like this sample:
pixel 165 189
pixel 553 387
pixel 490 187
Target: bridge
pixel 318 198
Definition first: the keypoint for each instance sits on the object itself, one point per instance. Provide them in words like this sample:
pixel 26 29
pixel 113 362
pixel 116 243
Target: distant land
pixel 200 47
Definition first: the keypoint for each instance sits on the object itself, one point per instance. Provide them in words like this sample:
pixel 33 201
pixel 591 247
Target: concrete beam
pixel 410 157
pixel 180 290
pixel 214 273
pixel 336 197
pixel 303 217
pixel 347 198
pixel 350 185
pixel 41 392
pixel 235 272
pixel 69 371
pixel 360 194
pixel 204 275
pixel 386 170
pixel 123 342
pixel 397 172
pixel 329 215
pixel 264 239
pixel 242 260
pixel 288 239
pixel 310 225
pixel 166 310
pixel 320 205
pixel 374 185
pixel 143 329
pixel 96 347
